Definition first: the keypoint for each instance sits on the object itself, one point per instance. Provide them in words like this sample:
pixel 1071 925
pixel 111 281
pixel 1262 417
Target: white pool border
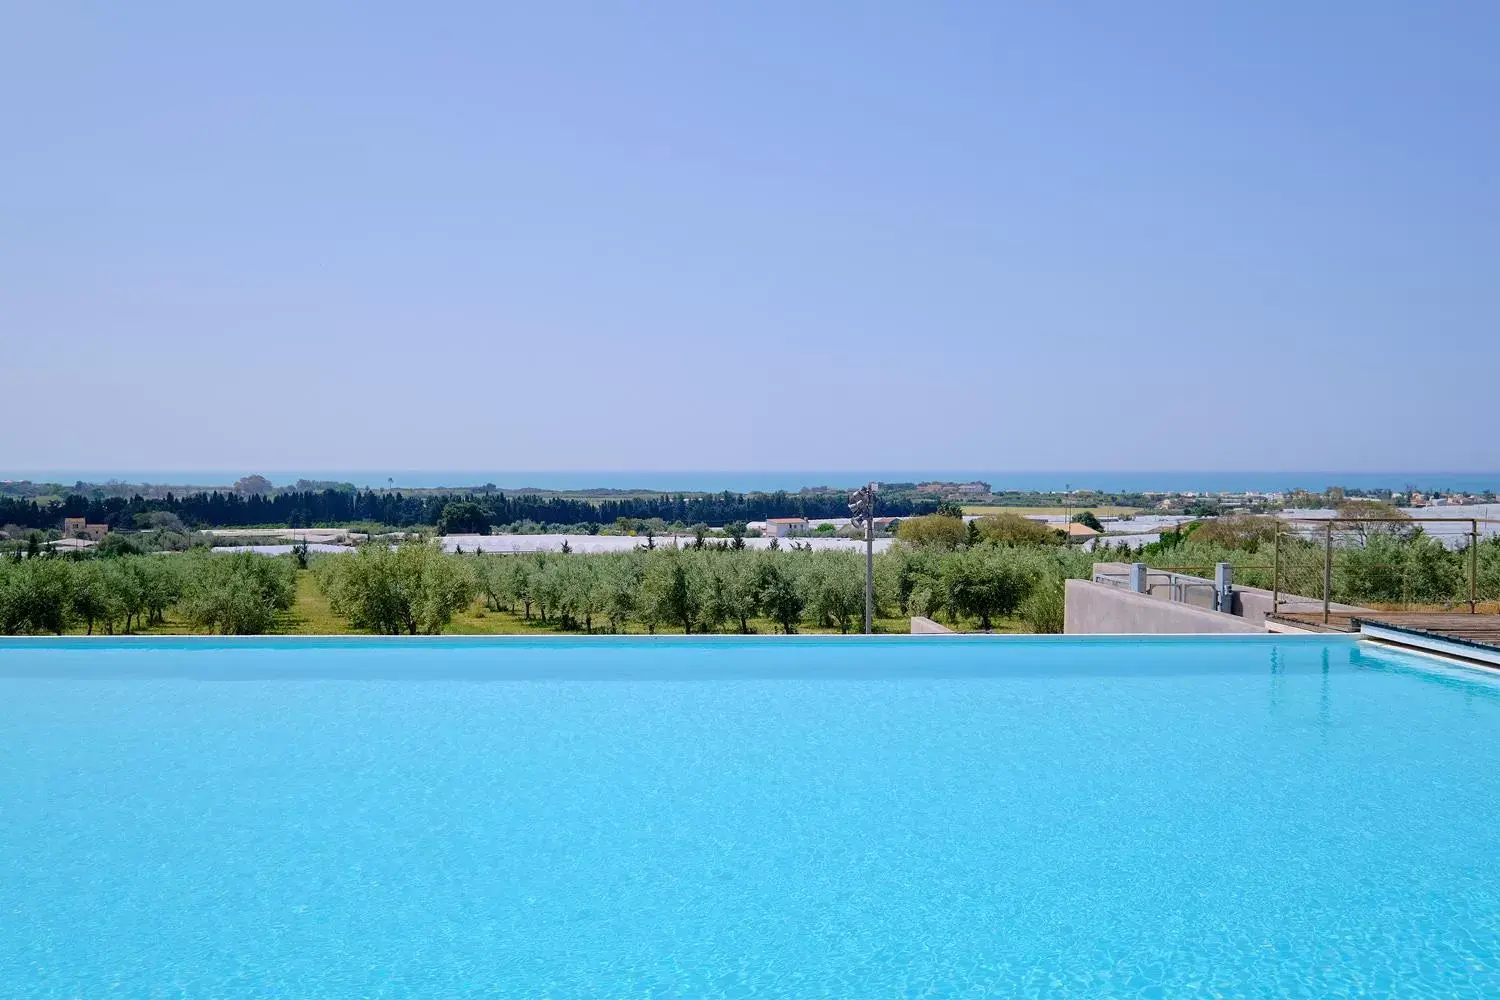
pixel 711 637
pixel 1477 657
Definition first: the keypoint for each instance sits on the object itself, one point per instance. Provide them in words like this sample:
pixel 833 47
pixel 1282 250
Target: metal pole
pixel 862 506
pixel 870 573
pixel 1276 574
pixel 1327 568
pixel 1474 566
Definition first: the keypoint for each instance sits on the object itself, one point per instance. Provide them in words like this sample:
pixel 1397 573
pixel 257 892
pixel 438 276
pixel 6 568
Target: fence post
pixel 1474 566
pixel 1138 577
pixel 1327 568
pixel 1276 573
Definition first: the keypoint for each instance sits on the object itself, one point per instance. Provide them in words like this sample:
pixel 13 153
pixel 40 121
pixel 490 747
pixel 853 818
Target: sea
pixel 791 480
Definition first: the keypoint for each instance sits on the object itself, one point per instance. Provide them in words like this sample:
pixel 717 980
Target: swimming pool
pixel 730 818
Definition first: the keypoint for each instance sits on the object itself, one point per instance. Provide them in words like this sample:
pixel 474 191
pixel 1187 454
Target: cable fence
pixel 1386 564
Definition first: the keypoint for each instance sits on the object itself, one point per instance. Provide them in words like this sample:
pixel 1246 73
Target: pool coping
pixel 342 639
pixel 1469 654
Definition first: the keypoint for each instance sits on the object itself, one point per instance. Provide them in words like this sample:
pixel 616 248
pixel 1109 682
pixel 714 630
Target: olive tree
pixel 413 588
pixel 92 599
pixel 836 590
pixel 239 594
pixel 672 589
pixel 735 590
pixel 984 583
pixel 35 596
pixel 780 596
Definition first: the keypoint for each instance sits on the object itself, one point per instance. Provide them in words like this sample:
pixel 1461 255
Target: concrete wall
pixel 926 626
pixel 1254 604
pixel 1093 608
pixel 1250 603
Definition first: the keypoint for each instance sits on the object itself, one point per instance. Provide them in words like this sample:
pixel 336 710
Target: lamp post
pixel 862 506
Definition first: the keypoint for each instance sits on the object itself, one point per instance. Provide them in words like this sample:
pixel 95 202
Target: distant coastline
pixel 740 481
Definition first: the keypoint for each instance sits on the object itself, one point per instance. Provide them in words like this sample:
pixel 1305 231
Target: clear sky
pixel 734 235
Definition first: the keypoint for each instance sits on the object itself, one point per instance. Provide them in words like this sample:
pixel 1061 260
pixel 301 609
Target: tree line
pixel 306 508
pixel 238 594
pixel 415 588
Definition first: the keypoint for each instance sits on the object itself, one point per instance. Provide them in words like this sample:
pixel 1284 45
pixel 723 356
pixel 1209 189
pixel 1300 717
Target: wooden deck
pixel 1481 631
pixel 1312 621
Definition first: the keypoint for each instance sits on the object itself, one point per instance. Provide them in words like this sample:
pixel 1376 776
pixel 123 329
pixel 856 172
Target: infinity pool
pixel 964 817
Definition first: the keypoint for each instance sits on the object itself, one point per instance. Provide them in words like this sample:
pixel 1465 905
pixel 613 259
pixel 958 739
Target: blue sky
pixel 720 236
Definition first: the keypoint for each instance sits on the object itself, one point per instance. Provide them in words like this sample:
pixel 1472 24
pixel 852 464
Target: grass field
pixel 1104 511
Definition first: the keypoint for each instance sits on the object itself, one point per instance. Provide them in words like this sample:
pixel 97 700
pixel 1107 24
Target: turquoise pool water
pixel 745 818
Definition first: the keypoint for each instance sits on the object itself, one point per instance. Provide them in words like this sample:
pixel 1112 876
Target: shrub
pixel 1013 529
pixel 1042 610
pixel 1237 531
pixel 936 531
pixel 1088 520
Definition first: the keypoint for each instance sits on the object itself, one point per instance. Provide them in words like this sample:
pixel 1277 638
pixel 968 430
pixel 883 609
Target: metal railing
pixel 1416 563
pixel 1144 580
